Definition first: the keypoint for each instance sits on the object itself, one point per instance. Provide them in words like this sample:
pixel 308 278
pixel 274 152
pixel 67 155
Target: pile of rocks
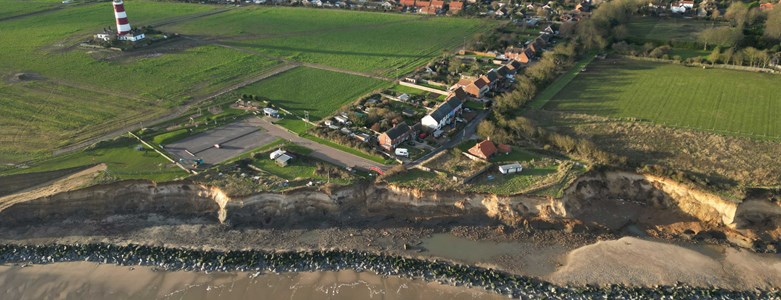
pixel 333 260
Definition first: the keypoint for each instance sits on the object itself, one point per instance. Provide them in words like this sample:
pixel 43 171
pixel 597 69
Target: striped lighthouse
pixel 123 27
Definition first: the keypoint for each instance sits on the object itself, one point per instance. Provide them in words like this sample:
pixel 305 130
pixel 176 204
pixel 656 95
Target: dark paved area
pixel 234 139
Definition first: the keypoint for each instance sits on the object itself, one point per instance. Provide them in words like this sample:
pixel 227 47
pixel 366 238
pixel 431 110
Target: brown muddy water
pixel 83 280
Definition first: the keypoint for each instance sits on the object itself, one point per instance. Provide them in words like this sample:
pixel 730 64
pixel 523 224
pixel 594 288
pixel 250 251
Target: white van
pixel 402 152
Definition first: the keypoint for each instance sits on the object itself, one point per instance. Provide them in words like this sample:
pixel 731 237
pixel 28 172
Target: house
pixel 522 55
pixel 514 66
pixel 133 36
pixel 393 137
pixel 443 114
pixel 459 93
pixel 455 7
pixel 766 6
pixel 492 78
pixel 511 168
pixel 284 160
pixel 477 88
pixel 484 149
pixel 407 2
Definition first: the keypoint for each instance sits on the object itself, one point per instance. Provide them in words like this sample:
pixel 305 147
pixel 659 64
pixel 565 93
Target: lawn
pixel 511 184
pixel 70 94
pixel 723 101
pixel 663 30
pixel 319 92
pixel 123 159
pixel 385 44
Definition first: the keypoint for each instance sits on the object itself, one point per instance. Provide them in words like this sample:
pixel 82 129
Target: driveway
pixel 320 151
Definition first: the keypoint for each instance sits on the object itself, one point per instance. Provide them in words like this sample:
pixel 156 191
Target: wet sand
pixel 82 280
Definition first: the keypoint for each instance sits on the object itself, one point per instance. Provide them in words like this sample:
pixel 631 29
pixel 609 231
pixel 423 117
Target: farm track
pixel 35 13
pixel 177 112
pixel 284 60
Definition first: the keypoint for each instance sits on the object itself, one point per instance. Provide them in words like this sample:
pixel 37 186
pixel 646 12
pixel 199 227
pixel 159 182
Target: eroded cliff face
pixel 587 198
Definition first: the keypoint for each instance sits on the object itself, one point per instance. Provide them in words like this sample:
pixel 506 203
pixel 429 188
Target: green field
pixel 723 101
pixel 386 44
pixel 69 94
pixel 662 30
pixel 10 8
pixel 317 91
pixel 122 158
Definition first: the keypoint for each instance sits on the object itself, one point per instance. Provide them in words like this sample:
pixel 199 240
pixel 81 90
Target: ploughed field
pixel 722 101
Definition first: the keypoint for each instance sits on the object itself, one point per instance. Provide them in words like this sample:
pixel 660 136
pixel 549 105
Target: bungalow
pixel 393 137
pixel 510 168
pixel 443 114
pixel 484 149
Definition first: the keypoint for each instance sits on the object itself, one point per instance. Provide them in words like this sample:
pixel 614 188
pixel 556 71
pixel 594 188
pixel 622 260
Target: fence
pixel 160 152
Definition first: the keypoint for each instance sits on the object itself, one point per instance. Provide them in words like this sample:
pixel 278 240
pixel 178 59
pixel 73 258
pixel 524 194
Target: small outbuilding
pixel 283 160
pixel 511 168
pixel 276 154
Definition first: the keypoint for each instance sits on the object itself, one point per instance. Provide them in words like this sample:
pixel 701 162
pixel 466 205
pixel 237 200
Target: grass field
pixel 70 93
pixel 386 44
pixel 122 158
pixel 662 30
pixel 319 92
pixel 723 101
pixel 10 8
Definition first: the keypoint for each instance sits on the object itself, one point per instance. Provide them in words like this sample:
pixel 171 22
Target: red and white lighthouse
pixel 123 27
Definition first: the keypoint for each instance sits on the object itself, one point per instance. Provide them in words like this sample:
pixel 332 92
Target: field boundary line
pixel 158 152
pixel 560 83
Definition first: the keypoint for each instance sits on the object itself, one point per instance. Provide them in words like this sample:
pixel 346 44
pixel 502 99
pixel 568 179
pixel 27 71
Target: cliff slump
pixel 588 198
pixel 666 194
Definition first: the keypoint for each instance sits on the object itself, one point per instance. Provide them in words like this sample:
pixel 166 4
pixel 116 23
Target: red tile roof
pixel 483 149
pixel 456 5
pixel 407 2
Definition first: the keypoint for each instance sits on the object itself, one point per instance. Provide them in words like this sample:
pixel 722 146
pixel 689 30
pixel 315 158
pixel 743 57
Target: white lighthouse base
pixel 131 37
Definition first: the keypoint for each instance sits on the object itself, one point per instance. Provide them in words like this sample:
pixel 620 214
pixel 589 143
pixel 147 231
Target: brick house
pixel 400 133
pixel 484 149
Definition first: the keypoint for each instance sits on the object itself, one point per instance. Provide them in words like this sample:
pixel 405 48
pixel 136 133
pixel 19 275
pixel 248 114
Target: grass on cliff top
pixel 11 8
pixel 122 158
